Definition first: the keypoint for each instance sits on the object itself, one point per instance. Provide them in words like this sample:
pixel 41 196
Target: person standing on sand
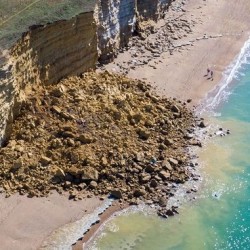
pixel 208 71
pixel 212 75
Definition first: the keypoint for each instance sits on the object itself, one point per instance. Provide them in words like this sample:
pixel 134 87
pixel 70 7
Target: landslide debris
pixel 98 134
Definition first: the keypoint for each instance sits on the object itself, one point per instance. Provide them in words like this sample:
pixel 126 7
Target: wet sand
pixel 116 206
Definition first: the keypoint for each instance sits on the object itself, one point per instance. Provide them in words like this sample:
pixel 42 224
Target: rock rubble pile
pixel 98 134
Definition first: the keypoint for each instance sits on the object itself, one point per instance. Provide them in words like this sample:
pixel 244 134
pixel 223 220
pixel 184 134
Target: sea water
pixel 220 216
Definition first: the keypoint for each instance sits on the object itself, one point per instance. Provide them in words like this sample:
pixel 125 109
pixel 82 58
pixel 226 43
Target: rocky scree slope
pixel 95 135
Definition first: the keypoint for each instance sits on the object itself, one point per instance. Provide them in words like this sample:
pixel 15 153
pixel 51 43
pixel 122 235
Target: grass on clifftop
pixel 17 15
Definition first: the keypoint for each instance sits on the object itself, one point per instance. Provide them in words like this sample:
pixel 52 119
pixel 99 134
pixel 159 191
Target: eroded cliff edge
pixel 46 54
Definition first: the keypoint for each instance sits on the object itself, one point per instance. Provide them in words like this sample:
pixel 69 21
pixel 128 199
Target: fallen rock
pixel 117 194
pixel 45 160
pixel 89 173
pixel 139 192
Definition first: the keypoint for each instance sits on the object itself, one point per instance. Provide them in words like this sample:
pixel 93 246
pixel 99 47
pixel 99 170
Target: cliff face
pixel 44 55
pixel 116 23
pixel 48 53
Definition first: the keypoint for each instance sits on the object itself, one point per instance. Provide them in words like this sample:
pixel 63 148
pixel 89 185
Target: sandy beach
pixel 25 223
pixel 181 75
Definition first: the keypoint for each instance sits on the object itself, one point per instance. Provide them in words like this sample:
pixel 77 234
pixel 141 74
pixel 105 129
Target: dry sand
pixel 24 222
pixel 181 75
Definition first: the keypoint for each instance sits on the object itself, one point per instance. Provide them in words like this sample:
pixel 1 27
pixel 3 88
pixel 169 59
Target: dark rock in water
pixel 162 201
pixel 169 212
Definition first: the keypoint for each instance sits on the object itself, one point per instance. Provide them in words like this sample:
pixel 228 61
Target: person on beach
pixel 212 75
pixel 208 71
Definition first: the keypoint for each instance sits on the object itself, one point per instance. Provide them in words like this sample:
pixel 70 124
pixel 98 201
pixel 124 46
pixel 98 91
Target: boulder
pixel 173 161
pixel 153 183
pixel 168 142
pixel 17 165
pixel 59 173
pixel 166 165
pixel 89 173
pixel 164 175
pixel 145 178
pixel 162 202
pixel 139 192
pixel 149 168
pixel 116 194
pixel 45 160
pixel 139 156
pixel 143 134
pixel 85 139
pixel 175 109
pixel 56 109
pixel 93 184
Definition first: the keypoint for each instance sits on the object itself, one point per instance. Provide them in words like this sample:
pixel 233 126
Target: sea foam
pixel 223 90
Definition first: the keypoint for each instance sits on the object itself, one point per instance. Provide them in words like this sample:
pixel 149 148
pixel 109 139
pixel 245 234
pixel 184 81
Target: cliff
pixel 45 54
pixel 116 23
pixel 117 20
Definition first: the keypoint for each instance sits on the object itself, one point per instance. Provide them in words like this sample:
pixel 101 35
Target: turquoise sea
pixel 220 216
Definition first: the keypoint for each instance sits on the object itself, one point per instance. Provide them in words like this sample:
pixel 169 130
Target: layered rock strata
pixel 44 55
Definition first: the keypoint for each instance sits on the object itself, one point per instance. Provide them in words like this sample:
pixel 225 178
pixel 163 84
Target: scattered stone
pixel 139 192
pixel 112 137
pixel 117 194
pixel 202 124
pixel 93 184
pixel 45 160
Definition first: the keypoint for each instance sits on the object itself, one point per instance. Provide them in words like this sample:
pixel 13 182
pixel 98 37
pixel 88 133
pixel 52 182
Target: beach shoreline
pixel 180 75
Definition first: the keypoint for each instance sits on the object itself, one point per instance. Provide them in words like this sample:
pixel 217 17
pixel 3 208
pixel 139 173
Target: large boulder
pixel 89 173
